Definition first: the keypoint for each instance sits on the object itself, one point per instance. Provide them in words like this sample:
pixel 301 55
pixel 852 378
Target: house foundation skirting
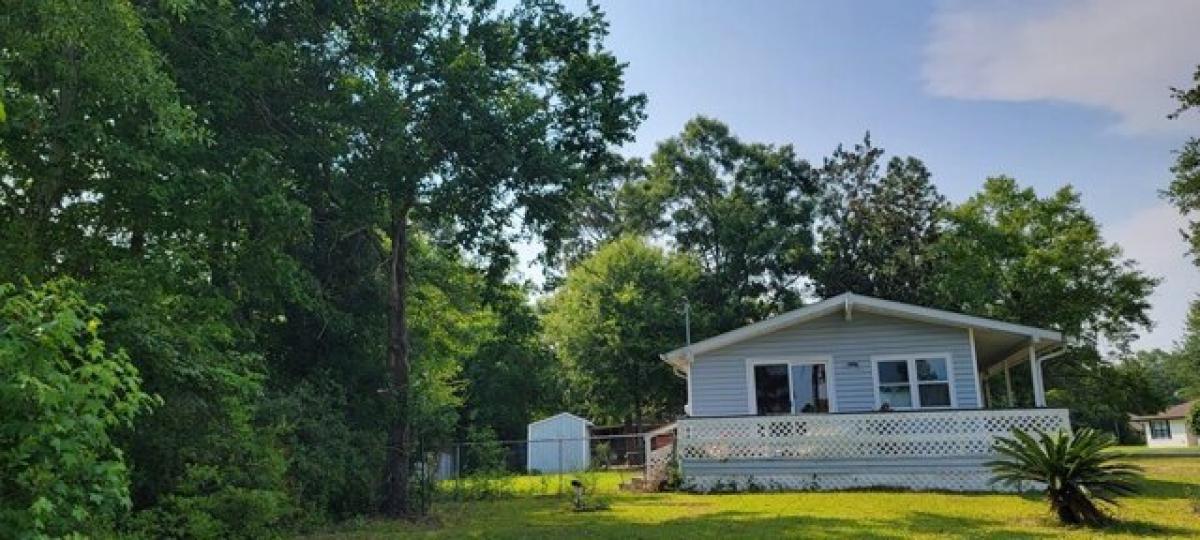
pixel 972 481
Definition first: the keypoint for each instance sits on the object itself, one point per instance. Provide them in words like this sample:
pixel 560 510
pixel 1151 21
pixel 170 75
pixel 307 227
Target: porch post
pixel 1012 400
pixel 1035 367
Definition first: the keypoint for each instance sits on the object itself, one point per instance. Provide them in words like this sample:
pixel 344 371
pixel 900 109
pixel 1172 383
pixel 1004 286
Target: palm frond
pixel 1075 469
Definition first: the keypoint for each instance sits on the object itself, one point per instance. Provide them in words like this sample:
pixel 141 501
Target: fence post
pixel 560 466
pixel 458 470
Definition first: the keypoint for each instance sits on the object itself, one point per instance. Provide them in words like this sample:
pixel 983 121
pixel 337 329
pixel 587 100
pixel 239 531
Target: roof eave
pixel 849 302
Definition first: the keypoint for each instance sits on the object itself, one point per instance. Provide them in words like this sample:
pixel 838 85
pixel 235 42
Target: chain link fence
pixel 490 469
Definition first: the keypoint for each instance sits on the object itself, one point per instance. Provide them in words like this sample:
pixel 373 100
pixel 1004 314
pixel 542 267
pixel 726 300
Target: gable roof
pixel 559 415
pixel 850 302
pixel 1178 411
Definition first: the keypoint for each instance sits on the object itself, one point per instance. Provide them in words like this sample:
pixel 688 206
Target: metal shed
pixel 558 444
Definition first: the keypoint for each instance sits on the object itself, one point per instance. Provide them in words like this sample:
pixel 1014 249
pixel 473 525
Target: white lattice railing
pixel 858 436
pixel 658 459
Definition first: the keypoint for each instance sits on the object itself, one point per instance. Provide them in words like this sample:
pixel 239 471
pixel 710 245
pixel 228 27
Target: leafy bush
pixel 62 394
pixel 1075 470
pixel 1193 418
pixel 334 464
pixel 241 497
pixel 602 455
pixel 483 452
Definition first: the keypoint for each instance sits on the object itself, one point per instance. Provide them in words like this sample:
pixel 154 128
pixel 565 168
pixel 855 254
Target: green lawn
pixel 1143 450
pixel 1162 510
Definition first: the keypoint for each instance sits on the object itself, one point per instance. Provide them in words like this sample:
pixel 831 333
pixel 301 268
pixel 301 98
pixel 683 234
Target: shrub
pixel 483 452
pixel 1193 418
pixel 602 455
pixel 62 394
pixel 334 464
pixel 1075 470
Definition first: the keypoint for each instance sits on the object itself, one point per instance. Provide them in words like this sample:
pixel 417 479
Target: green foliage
pixel 333 467
pixel 1184 364
pixel 743 210
pixel 615 313
pixel 1075 470
pixel 1012 255
pixel 90 106
pixel 63 395
pixel 1184 190
pixel 482 452
pixel 878 232
pixel 513 376
pixel 1193 418
pixel 1102 394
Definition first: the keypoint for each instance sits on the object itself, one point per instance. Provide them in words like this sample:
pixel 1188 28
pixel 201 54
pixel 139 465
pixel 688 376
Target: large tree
pixel 1011 255
pixel 102 180
pixel 91 116
pixel 616 311
pixel 877 231
pixel 1184 190
pixel 467 117
pixel 745 210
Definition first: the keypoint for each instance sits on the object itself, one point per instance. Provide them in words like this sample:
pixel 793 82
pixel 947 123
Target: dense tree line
pixel 257 256
pixel 288 216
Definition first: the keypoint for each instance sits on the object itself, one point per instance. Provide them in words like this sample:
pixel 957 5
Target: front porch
pixel 942 450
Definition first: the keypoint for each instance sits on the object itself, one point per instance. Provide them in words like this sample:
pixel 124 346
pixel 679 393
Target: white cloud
pixel 1151 237
pixel 1117 55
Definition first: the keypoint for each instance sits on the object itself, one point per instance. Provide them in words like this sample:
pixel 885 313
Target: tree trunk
pixel 397 502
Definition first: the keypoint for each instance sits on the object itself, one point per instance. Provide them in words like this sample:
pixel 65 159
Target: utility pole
pixel 687 321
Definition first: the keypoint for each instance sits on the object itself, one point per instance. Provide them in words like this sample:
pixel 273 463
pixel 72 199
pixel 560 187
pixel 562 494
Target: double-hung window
pixel 1160 429
pixel 913 382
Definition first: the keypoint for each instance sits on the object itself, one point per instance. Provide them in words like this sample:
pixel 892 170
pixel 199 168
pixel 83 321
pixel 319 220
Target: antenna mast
pixel 687 321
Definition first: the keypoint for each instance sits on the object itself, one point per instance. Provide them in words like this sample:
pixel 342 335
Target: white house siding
pixel 719 386
pixel 1179 435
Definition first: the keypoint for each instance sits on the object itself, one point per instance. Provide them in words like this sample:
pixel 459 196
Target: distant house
pixel 1167 428
pixel 855 392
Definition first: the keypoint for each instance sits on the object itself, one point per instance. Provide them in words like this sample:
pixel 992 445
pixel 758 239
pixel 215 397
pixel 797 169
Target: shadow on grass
pixel 1147 528
pixel 547 519
pixel 1152 488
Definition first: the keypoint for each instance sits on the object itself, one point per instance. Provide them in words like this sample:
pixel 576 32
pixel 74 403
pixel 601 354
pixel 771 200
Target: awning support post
pixel 1039 388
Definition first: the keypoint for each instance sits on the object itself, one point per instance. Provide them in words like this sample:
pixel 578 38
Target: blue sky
pixel 1050 93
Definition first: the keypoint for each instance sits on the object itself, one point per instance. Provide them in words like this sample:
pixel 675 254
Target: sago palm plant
pixel 1075 469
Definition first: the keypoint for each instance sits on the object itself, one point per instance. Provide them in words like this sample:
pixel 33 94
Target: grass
pixel 1141 450
pixel 1163 509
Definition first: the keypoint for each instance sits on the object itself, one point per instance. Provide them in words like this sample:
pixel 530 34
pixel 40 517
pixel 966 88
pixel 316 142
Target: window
pixel 809 388
pixel 1160 429
pixel 771 389
pixel 789 387
pixel 920 382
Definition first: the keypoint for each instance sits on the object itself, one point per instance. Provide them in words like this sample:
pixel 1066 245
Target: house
pixel 559 444
pixel 1168 428
pixel 853 392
